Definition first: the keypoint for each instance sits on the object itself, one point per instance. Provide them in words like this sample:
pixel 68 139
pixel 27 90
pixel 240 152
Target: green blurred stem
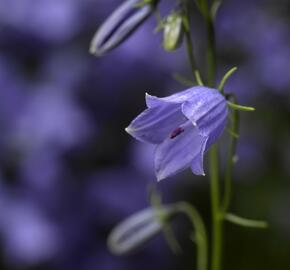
pixel 189 48
pixel 211 51
pixel 245 222
pixel 156 202
pixel 217 217
pixel 230 162
pixel 199 236
pixel 237 107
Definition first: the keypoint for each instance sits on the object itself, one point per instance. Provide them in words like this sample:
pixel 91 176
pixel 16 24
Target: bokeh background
pixel 68 170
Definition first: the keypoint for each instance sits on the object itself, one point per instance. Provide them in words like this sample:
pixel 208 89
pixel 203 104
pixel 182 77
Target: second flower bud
pixel 173 31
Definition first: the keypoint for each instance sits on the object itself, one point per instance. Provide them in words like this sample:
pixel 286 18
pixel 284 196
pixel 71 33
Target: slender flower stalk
pixel 231 161
pixel 217 219
pixel 189 47
pixel 200 234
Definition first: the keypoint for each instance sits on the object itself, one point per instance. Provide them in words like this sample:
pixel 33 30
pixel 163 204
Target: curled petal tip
pixel 147 95
pixel 197 170
pixel 160 177
pixel 128 130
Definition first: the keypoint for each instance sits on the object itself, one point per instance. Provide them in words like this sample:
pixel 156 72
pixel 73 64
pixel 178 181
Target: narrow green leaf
pixel 246 222
pixel 240 108
pixel 225 78
pixel 198 78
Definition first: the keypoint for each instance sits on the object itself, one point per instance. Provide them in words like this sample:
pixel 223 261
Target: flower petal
pixel 180 97
pixel 197 163
pixel 209 115
pixel 214 123
pixel 175 155
pixel 203 105
pixel 156 123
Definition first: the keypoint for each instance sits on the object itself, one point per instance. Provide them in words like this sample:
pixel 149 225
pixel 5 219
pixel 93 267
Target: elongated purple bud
pixel 120 25
pixel 137 229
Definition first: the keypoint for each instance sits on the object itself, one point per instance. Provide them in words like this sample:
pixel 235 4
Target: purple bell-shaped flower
pixel 183 126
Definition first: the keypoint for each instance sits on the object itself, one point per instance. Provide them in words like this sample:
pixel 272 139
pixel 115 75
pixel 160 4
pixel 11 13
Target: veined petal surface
pixel 177 154
pixel 155 124
pixel 184 126
pixel 197 162
pixel 179 97
pixel 202 105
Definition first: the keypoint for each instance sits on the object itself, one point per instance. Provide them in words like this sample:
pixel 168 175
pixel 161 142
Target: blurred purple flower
pixel 183 125
pixel 50 119
pixel 141 158
pixel 41 172
pixel 67 67
pixel 100 194
pixel 29 237
pixel 122 22
pixel 263 46
pixel 51 20
pixel 12 92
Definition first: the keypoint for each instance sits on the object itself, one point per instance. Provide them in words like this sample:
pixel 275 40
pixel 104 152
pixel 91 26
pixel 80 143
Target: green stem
pixel 200 235
pixel 217 217
pixel 211 51
pixel 189 47
pixel 217 220
pixel 230 162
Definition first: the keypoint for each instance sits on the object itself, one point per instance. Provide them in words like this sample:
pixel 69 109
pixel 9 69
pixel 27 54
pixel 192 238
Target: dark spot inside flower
pixel 176 132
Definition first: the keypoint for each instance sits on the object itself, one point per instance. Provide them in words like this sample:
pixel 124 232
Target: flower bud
pixel 173 32
pixel 120 25
pixel 136 230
